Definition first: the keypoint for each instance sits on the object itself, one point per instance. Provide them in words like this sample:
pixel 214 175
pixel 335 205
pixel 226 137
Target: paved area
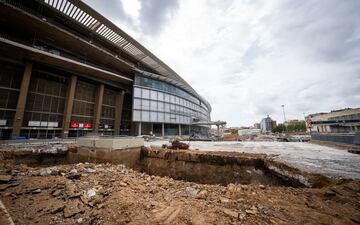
pixel 306 156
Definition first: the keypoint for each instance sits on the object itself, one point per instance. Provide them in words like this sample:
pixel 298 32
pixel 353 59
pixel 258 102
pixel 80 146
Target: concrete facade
pixel 78 75
pixel 336 121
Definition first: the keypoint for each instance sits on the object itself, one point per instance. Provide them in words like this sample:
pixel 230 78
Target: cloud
pixel 248 57
pixel 155 13
pixel 112 9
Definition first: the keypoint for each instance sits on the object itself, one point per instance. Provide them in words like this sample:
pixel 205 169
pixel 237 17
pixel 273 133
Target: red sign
pixel 80 125
pixel 74 125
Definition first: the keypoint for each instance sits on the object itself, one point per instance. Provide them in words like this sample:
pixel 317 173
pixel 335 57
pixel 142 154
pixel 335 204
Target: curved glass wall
pixel 160 102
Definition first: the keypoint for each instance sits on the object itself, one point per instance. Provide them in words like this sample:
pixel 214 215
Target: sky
pixel 249 57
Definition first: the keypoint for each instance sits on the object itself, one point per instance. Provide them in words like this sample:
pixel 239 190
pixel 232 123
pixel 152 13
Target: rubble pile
pixel 176 144
pixel 88 193
pixel 37 148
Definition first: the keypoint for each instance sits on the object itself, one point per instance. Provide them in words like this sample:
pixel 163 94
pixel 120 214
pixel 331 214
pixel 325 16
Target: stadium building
pixel 66 70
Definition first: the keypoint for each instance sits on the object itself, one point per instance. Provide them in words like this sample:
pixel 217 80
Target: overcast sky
pixel 248 57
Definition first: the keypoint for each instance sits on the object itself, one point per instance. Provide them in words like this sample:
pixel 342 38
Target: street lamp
pixel 283 107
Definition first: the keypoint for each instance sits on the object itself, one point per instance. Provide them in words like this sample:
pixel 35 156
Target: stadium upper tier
pixel 142 60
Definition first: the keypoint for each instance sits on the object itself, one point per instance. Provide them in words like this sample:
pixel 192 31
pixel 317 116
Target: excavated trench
pixel 224 168
pixel 195 166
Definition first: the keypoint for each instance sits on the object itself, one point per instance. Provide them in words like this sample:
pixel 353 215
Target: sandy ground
pixel 112 194
pixel 305 156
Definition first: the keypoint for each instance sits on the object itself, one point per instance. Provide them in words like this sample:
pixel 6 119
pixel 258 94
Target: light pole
pixel 283 108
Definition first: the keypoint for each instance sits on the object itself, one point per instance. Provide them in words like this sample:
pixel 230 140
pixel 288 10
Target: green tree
pixel 279 128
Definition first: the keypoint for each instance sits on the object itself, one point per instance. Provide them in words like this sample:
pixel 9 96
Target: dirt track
pixel 113 194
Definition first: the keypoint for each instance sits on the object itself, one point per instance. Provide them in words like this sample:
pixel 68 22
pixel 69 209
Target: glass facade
pixel 160 102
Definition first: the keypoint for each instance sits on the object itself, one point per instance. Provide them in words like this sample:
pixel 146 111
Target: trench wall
pixel 215 168
pixel 196 166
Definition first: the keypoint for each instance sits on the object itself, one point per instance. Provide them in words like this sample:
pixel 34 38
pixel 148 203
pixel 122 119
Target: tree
pixel 279 128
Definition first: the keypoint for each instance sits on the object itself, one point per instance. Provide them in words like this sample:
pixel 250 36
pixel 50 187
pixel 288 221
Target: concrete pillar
pixel 162 129
pixel 139 129
pixel 69 102
pixel 21 104
pixel 179 129
pixel 118 111
pixel 97 107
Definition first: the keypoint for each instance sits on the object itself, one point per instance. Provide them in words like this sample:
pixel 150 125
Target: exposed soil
pixel 88 193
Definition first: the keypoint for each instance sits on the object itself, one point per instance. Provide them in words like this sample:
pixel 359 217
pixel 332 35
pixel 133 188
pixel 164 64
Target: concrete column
pixel 69 102
pixel 21 104
pixel 179 129
pixel 97 107
pixel 139 129
pixel 118 111
pixel 163 129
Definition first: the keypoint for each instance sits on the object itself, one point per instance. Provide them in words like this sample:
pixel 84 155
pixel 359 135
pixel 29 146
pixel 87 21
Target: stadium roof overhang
pixel 89 19
pixel 137 59
pixel 20 51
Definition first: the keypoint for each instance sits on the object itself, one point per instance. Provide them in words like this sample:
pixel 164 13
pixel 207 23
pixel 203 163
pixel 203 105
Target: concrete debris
pixel 202 194
pixel 191 192
pixel 176 144
pixel 253 210
pixel 91 193
pixel 36 191
pixel 90 170
pixel 330 193
pixel 49 171
pixel 224 200
pixel 57 209
pixel 123 184
pixel 73 175
pixel 231 213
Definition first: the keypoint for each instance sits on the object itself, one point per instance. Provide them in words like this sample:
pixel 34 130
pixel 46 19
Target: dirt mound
pixel 114 194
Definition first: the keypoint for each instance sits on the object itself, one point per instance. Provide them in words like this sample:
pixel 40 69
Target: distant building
pixel 267 124
pixel 256 125
pixel 249 131
pixel 339 126
pixel 231 134
pixel 293 122
pixel 337 121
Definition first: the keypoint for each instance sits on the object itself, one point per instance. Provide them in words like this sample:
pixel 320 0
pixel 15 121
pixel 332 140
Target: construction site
pixel 96 129
pixel 122 181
